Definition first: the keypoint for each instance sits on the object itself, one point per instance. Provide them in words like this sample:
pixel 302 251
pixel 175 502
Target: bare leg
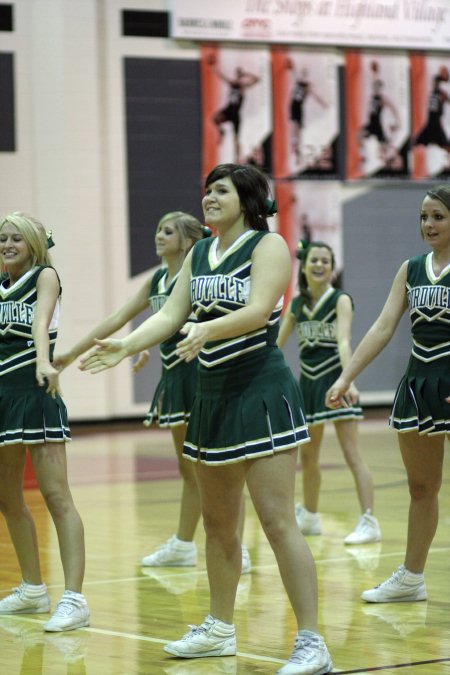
pixel 221 495
pixel 311 474
pixel 295 141
pixel 50 466
pixel 18 518
pixel 241 520
pixel 271 483
pixel 218 120
pixel 347 433
pixel 237 149
pixel 423 458
pixel 190 509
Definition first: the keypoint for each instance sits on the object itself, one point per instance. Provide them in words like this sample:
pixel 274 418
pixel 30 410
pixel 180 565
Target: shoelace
pixel 20 591
pixel 164 546
pixel 197 630
pixel 395 576
pixel 305 648
pixel 363 526
pixel 64 608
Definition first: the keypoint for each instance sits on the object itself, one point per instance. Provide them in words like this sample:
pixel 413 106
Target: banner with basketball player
pixel 377 115
pixel 236 107
pixel 305 113
pixel 430 96
pixel 310 211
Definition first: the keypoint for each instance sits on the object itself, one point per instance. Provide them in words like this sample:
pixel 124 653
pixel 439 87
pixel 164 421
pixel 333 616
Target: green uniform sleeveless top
pixel 420 401
pixel 219 287
pixel 316 334
pixel 28 415
pixel 429 309
pixel 17 350
pixel 159 292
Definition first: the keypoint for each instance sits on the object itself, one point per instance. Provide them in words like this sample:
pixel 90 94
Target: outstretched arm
pixel 112 323
pixel 249 80
pixel 220 75
pixel 344 311
pixel 154 330
pixel 374 341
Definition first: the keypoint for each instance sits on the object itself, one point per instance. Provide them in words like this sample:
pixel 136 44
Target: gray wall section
pixel 163 132
pixel 146 380
pixel 380 231
pixel 7 108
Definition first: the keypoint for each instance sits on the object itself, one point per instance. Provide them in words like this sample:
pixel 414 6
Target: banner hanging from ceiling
pixel 405 24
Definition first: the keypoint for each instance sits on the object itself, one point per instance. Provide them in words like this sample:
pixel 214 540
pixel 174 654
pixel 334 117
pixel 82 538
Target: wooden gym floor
pixel 126 486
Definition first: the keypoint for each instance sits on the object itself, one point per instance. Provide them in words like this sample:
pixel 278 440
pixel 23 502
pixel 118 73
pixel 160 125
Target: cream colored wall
pixel 70 170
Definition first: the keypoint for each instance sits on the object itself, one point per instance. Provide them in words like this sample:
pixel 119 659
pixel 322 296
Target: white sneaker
pixel 212 638
pixel 173 553
pixel 310 656
pixel 367 530
pixel 26 599
pixel 309 523
pixel 402 586
pixel 246 562
pixel 71 612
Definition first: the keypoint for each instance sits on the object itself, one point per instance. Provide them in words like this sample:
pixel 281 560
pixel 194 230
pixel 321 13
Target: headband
pixel 50 242
pixel 302 249
pixel 271 207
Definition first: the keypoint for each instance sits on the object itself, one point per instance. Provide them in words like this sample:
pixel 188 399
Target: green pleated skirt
pixel 252 408
pixel 28 415
pixel 316 411
pixel 419 403
pixel 174 395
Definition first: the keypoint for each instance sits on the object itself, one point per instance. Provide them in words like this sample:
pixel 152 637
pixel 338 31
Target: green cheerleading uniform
pixel 419 403
pixel 247 402
pixel 320 365
pixel 174 394
pixel 28 415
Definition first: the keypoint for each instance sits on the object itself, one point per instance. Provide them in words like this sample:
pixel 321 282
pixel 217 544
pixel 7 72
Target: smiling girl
pixel 322 316
pixel 247 421
pixel 175 235
pixel 33 415
pixel 421 408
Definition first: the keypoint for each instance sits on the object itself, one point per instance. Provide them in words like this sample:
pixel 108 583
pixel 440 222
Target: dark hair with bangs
pixel 252 188
pixel 302 255
pixel 442 193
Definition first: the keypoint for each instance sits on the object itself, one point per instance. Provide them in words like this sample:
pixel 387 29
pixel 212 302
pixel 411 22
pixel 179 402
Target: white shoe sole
pixel 80 624
pixel 225 651
pixel 404 598
pixel 16 612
